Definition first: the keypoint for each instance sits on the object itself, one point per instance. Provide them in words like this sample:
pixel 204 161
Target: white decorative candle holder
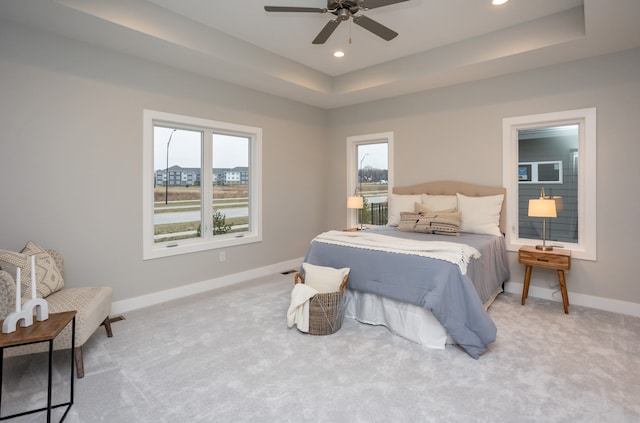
pixel 24 312
pixel 11 322
pixel 40 306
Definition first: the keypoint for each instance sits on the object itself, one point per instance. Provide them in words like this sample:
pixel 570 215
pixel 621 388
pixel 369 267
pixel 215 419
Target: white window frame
pixel 207 241
pixel 352 166
pixel 585 248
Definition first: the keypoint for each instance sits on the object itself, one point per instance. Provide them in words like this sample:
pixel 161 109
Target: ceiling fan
pixel 343 10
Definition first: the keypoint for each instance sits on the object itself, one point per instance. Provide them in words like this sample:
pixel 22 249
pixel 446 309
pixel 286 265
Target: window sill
pixel 176 248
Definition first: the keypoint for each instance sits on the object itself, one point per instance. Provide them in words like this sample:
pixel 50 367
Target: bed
pixel 430 288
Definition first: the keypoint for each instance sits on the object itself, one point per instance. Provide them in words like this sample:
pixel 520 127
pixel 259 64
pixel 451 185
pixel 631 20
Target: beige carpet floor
pixel 227 356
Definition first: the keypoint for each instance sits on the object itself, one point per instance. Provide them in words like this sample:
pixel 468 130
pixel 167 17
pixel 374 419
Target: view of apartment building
pixel 188 176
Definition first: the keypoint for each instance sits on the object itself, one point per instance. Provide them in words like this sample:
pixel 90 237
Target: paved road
pixel 194 216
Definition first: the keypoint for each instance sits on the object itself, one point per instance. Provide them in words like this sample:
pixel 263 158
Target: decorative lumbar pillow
pixel 324 279
pixel 439 202
pixel 408 221
pixel 423 220
pixel 48 277
pixel 480 215
pixel 439 223
pixel 400 203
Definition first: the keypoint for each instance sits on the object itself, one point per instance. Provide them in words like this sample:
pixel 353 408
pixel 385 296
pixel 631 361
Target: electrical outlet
pixel 223 256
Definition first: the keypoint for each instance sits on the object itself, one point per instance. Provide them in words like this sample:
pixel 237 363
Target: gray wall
pixel 71 162
pixel 456 133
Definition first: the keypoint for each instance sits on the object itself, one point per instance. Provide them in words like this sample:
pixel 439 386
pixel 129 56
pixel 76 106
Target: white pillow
pixel 480 215
pixel 439 202
pixel 400 203
pixel 324 279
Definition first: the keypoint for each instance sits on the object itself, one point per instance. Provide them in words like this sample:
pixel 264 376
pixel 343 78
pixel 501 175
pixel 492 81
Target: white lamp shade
pixel 355 202
pixel 559 202
pixel 541 207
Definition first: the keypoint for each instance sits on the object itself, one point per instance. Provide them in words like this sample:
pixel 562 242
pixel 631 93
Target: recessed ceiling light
pixel 338 53
pixel 498 2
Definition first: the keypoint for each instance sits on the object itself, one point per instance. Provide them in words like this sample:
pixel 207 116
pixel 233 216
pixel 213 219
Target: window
pixel 552 154
pixel 201 182
pixel 370 175
pixel 539 172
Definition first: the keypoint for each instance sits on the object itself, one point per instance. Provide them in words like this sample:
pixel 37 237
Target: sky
pixel 184 149
pixel 374 155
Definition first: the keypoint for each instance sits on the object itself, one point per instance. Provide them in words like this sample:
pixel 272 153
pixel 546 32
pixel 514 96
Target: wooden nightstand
pixel 558 258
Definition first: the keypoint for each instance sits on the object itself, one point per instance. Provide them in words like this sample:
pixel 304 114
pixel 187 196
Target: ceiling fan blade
pixel 375 27
pixel 294 9
pixel 373 4
pixel 326 31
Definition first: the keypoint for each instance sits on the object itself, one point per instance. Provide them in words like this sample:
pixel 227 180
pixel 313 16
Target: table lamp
pixel 355 202
pixel 543 207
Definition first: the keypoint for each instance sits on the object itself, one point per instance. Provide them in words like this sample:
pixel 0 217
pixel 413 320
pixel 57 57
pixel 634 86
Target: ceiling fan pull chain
pixel 349 32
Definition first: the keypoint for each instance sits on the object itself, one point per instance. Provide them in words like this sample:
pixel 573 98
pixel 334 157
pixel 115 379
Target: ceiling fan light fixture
pixel 498 2
pixel 338 54
pixel 343 14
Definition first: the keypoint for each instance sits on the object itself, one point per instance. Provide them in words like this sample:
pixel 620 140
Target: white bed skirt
pixel 403 319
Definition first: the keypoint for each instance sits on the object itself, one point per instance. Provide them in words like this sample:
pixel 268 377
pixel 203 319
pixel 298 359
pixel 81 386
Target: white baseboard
pixel 600 303
pixel 123 306
pixel 129 304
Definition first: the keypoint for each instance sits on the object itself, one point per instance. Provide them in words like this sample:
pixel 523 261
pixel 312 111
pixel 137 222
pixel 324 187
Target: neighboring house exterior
pixel 180 176
pixel 228 176
pixel 184 176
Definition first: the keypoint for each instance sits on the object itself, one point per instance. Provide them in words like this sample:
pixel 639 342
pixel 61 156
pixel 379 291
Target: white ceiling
pixel 441 42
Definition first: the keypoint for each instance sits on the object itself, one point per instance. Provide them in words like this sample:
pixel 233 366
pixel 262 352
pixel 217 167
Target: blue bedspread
pixel 436 285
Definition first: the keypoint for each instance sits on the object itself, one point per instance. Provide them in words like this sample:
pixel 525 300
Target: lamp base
pixel 544 247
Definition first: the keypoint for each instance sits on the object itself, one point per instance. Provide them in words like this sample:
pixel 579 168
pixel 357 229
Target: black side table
pixel 45 331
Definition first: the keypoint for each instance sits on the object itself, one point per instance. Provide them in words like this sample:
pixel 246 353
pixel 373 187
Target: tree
pixel 220 223
pixel 365 212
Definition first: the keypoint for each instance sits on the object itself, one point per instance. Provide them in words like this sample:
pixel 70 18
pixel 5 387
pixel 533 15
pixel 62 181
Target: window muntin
pixel 206 159
pixel 570 138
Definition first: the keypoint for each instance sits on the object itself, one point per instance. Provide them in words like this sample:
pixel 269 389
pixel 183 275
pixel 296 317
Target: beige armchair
pixel 92 304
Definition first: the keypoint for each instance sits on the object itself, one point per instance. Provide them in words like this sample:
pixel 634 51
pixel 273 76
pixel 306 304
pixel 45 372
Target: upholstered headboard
pixel 454 187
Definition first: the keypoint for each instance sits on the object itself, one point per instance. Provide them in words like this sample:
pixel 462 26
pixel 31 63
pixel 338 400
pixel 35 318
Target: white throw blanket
pixel 298 313
pixel 459 254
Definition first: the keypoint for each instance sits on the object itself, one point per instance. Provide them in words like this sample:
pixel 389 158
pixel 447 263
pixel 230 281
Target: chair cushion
pixel 93 305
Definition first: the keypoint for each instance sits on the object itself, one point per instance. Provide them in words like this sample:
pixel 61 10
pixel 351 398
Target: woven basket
pixel 325 310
